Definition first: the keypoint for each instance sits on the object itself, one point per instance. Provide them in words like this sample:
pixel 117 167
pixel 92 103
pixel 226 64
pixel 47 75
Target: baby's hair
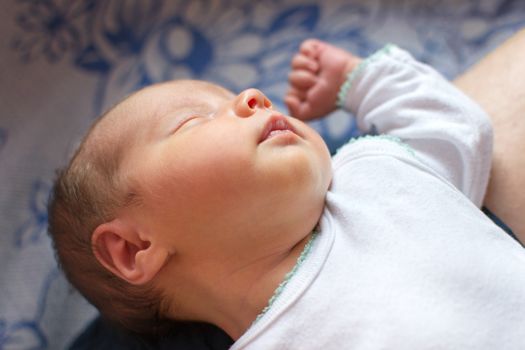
pixel 87 193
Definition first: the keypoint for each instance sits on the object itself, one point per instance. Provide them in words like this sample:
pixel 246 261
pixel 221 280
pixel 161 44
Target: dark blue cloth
pixel 501 224
pixel 101 335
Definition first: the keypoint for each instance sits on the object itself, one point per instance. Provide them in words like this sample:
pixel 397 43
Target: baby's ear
pixel 118 246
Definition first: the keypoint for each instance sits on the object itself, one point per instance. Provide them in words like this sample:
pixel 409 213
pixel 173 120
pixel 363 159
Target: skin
pixel 224 211
pixel 496 83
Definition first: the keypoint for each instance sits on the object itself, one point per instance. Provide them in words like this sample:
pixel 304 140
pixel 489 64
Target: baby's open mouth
pixel 277 125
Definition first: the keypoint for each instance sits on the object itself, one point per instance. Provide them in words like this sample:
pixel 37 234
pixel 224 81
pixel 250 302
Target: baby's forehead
pixel 156 99
pixel 183 91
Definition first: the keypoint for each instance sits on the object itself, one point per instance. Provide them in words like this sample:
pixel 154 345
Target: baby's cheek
pixel 212 171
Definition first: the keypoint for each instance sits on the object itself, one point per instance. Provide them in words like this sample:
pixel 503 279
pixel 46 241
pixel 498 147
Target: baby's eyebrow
pixel 174 107
pixel 175 102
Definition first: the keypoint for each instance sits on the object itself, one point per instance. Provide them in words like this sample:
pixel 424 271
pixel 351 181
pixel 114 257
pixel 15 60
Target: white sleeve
pixel 391 93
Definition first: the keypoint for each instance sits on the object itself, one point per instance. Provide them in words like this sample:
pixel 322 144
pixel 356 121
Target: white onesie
pixel 404 258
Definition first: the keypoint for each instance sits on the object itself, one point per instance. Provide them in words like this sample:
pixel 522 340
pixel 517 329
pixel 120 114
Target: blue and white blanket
pixel 63 62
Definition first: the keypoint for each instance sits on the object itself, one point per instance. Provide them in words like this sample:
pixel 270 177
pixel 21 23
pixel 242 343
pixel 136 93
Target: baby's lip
pixel 276 124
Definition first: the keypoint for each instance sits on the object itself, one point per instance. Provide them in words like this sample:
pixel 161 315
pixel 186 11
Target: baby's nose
pixel 248 101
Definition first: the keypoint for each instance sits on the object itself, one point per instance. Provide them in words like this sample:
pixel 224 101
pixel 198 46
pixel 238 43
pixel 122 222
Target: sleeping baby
pixel 186 202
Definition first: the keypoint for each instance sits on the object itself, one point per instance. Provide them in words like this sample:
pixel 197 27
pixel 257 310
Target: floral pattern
pixel 21 335
pixel 28 333
pixel 34 228
pixel 122 45
pixel 51 28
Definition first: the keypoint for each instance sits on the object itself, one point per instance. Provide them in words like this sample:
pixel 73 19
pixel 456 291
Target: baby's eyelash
pixel 189 118
pixel 185 120
pixel 181 123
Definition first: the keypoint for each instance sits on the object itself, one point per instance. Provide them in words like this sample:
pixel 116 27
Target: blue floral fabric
pixel 63 62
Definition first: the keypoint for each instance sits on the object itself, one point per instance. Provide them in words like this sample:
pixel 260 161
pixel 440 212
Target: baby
pixel 187 202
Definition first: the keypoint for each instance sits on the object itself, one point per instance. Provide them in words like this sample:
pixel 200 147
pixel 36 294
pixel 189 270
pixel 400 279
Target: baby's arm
pixel 396 95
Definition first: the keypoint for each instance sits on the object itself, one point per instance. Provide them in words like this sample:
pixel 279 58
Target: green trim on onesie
pixel 347 85
pixel 343 91
pixel 278 291
pixel 387 137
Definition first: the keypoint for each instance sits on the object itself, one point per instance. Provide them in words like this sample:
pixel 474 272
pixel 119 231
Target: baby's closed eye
pixel 190 121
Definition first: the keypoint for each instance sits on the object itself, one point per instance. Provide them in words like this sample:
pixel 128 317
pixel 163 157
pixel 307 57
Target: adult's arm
pixel 497 83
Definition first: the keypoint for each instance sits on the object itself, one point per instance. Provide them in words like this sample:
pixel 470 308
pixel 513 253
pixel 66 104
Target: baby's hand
pixel 318 71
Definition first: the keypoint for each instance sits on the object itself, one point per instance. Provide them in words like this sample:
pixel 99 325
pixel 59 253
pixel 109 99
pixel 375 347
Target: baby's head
pixel 176 188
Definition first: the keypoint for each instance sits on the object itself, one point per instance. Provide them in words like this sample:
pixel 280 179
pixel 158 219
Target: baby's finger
pixel 300 61
pixel 302 79
pixel 293 103
pixel 297 93
pixel 310 47
pixel 299 109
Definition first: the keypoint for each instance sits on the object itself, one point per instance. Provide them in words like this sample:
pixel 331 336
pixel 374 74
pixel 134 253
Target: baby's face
pixel 215 169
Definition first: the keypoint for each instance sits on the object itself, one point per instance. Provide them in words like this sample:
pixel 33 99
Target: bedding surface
pixel 64 62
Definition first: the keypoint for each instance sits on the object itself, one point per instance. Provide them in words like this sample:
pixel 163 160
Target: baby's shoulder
pixel 372 146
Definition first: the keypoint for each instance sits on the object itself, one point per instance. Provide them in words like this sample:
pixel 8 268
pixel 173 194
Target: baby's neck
pixel 233 298
pixel 257 286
